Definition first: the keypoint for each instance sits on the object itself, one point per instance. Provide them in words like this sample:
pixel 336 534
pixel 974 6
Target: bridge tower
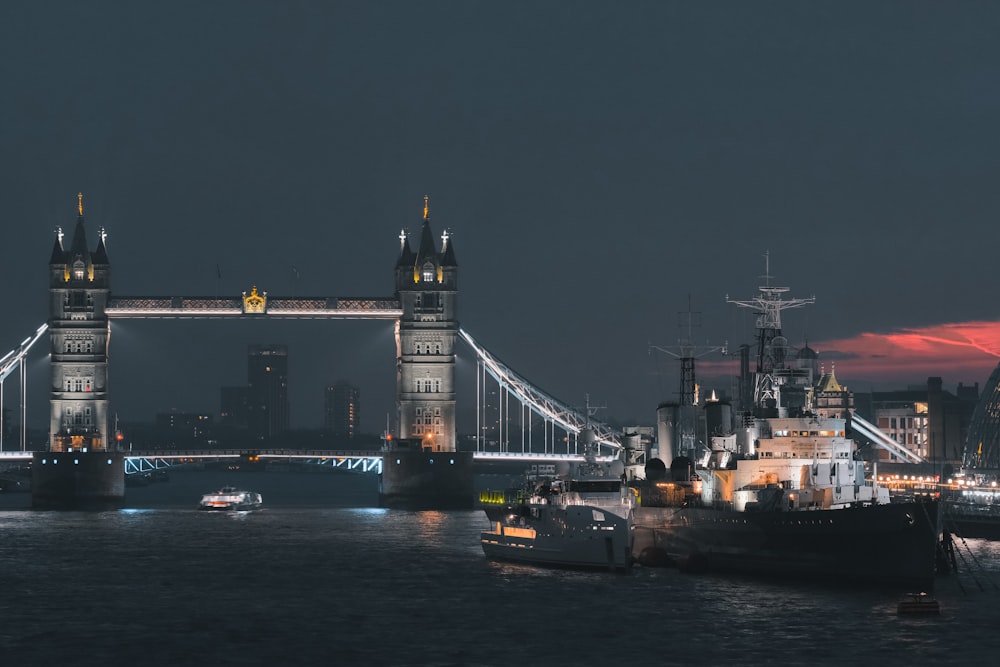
pixel 426 332
pixel 422 468
pixel 79 285
pixel 79 469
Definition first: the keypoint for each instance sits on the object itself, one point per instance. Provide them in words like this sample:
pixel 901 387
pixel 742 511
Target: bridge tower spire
pixel 427 288
pixel 79 285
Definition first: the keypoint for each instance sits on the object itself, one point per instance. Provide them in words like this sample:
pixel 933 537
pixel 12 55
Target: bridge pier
pixel 415 479
pixel 78 480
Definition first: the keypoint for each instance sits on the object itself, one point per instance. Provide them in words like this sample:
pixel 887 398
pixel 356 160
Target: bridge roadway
pixel 359 461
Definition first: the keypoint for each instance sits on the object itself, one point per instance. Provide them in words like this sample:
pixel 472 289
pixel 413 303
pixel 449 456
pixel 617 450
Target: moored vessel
pixel 782 489
pixel 231 498
pixel 581 518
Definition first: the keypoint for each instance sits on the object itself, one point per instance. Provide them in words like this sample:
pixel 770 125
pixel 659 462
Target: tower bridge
pixel 423 307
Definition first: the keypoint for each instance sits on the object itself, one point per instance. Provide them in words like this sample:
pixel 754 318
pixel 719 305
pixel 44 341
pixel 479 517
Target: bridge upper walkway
pixel 132 307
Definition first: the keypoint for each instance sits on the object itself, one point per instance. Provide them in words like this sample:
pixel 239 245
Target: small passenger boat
pixel 918 603
pixel 231 498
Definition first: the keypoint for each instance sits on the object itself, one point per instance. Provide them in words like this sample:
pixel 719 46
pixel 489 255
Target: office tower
pixel 267 391
pixel 342 409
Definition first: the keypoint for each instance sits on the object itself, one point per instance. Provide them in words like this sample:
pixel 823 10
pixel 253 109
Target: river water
pixel 322 577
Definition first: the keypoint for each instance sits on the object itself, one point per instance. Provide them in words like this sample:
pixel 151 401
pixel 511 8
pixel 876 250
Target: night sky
pixel 599 166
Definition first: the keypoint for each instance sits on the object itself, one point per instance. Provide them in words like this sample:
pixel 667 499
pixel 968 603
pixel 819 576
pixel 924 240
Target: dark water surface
pixel 314 579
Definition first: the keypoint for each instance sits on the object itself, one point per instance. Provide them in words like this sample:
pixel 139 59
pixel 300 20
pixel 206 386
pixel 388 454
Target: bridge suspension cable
pixel 15 359
pixel 550 409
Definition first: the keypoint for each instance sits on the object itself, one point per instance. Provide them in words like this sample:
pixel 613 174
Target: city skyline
pixel 598 169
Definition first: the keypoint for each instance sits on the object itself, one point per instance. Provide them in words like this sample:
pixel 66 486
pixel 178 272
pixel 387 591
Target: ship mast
pixel 771 345
pixel 687 352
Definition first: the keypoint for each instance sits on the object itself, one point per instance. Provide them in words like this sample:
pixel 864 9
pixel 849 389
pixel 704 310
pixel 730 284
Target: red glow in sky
pixel 959 352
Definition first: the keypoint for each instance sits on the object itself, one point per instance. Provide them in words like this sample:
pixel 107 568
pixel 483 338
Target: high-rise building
pixel 267 391
pixel 342 409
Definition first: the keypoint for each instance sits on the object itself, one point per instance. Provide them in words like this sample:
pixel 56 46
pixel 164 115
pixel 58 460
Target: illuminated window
pixel 428 273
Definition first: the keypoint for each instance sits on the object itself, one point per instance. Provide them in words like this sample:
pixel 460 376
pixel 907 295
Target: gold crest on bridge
pixel 254 303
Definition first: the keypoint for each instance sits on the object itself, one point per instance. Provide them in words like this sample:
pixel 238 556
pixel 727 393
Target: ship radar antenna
pixel 768 305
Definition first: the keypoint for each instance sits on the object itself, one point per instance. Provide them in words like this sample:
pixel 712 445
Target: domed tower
pixel 79 286
pixel 427 287
pixel 807 359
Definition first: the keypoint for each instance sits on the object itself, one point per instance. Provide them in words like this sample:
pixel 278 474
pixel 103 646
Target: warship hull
pixel 893 544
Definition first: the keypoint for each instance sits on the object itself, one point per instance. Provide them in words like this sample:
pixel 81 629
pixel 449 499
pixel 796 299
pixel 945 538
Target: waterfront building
pixel 342 409
pixel 982 445
pixel 832 400
pixel 267 391
pixel 929 421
